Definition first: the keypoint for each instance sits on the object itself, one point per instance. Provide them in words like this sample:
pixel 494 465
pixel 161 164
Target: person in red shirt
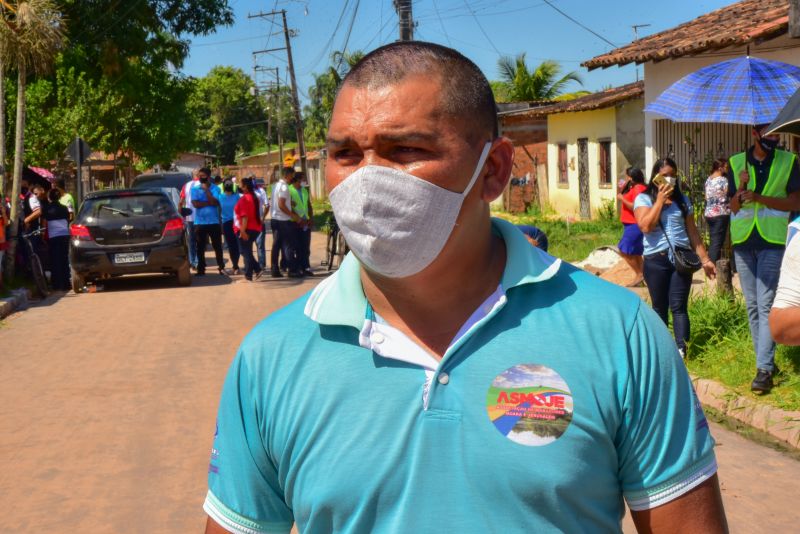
pixel 631 246
pixel 248 214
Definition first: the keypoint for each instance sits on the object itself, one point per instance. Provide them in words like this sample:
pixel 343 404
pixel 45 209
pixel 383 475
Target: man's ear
pixel 498 167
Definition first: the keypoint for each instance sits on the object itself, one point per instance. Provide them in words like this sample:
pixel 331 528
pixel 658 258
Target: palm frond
pixel 32 37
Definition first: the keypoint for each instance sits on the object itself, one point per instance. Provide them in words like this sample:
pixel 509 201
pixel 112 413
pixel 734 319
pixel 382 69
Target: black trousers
pixel 59 262
pixel 275 252
pixel 232 242
pixel 290 238
pixel 204 232
pixel 718 231
pixel 304 254
pixel 246 246
pixel 669 291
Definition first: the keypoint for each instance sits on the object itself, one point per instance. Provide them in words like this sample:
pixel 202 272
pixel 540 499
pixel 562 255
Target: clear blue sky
pixel 510 27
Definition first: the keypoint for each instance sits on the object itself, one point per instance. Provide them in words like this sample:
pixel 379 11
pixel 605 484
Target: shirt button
pixel 444 379
pixel 378 338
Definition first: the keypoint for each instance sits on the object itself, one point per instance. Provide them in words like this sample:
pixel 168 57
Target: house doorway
pixel 583 178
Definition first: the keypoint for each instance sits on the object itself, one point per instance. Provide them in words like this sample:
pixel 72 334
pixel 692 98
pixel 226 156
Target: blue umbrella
pixel 744 90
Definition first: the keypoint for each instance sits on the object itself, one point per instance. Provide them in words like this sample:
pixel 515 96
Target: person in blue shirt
pixel 407 394
pixel 535 236
pixel 227 201
pixel 666 217
pixel 205 199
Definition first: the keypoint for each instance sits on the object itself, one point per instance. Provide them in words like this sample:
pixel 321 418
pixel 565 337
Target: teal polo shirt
pixel 560 396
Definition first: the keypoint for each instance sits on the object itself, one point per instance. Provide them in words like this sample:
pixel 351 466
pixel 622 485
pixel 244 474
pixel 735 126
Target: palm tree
pixel 31 35
pixel 543 83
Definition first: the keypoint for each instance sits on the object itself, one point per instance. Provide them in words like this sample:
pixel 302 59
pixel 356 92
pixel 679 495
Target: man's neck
pixel 431 307
pixel 759 153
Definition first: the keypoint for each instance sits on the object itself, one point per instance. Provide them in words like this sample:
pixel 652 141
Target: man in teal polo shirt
pixel 450 377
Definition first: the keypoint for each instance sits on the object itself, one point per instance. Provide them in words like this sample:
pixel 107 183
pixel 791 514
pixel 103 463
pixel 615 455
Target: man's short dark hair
pixel 467 93
pixel 288 171
pixel 61 183
pixel 204 170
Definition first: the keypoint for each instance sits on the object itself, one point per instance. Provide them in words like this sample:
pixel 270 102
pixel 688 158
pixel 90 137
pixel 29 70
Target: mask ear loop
pixel 479 168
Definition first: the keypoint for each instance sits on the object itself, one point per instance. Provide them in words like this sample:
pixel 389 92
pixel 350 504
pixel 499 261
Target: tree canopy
pixel 519 83
pixel 323 94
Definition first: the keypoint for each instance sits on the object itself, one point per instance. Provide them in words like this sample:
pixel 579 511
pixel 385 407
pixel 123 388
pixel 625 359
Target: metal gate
pixel 583 178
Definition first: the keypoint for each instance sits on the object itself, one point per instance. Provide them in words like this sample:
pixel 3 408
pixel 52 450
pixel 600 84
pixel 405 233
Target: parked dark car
pixel 127 231
pixel 175 180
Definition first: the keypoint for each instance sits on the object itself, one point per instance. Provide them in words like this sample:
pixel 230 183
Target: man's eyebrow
pixel 386 138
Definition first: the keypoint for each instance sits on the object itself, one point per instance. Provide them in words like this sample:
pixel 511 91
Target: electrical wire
pixel 435 7
pixel 349 32
pixel 327 47
pixel 588 29
pixel 480 26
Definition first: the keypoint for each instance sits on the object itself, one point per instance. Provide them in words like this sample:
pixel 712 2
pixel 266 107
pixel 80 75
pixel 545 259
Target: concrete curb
pixel 780 424
pixel 17 301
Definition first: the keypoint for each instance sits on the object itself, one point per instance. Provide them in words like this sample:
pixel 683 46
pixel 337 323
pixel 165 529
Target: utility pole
pixel 406 20
pixel 636 38
pixel 273 90
pixel 301 144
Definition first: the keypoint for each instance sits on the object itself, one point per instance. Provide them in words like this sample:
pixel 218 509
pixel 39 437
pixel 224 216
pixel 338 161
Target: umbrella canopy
pixel 44 173
pixel 788 120
pixel 744 90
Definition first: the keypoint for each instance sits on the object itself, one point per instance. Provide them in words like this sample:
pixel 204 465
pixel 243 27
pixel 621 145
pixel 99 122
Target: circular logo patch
pixel 530 404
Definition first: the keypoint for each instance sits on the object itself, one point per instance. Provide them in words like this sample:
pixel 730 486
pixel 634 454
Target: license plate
pixel 130 257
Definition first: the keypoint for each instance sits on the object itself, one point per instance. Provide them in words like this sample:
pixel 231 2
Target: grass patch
pixel 570 241
pixel 721 349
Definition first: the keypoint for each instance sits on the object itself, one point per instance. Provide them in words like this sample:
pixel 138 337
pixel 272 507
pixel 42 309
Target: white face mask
pixel 395 223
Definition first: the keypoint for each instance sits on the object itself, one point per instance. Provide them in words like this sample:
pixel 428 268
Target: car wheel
pixel 78 282
pixel 184 276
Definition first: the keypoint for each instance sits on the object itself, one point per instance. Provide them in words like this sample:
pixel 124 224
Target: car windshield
pixel 121 207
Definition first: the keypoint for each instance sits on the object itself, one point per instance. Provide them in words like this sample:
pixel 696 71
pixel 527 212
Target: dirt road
pixel 109 400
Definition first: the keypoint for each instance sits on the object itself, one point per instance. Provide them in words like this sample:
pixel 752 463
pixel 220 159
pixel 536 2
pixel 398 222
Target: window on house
pixel 563 178
pixel 605 162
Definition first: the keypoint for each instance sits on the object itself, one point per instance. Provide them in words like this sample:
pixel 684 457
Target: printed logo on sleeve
pixel 530 404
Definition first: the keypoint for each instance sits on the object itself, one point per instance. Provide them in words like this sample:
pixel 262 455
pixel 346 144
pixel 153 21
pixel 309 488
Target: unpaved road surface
pixel 109 400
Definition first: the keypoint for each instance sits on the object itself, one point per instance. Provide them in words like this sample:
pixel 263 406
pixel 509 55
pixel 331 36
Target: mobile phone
pixel 658 180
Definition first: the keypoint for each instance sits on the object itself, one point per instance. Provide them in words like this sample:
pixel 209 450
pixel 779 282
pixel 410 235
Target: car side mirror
pixel 185 212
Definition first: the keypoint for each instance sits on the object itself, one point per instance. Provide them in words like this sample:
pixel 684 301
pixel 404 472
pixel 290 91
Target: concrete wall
pixel 630 135
pixel 568 128
pixel 659 76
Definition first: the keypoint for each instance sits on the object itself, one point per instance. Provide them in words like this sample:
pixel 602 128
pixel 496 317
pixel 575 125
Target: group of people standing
pixel 753 194
pixel 47 211
pixel 238 211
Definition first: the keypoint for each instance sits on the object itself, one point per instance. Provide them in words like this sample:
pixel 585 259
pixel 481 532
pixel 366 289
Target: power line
pixel 327 46
pixel 549 3
pixel 435 7
pixel 481 28
pixel 349 31
pixel 215 43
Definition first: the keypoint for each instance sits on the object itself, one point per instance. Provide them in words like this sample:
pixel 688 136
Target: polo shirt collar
pixel 340 299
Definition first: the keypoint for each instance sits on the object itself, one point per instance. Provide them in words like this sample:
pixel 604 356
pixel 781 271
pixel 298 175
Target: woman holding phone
pixel 666 218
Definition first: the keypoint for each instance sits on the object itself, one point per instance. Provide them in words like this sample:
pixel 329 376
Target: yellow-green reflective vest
pixel 771 224
pixel 299 201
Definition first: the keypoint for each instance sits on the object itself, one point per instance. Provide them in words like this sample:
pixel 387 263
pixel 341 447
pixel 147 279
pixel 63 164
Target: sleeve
pixel 642 201
pixel 664 444
pixel 788 293
pixel 33 202
pixel 689 205
pixel 244 494
pixel 731 181
pixel 794 178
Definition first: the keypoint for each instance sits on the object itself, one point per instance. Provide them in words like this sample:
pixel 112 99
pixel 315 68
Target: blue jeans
pixel 261 247
pixel 669 291
pixel 759 270
pixel 246 249
pixel 192 243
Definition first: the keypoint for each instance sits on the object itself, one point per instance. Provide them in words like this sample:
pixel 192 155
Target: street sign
pixel 78 151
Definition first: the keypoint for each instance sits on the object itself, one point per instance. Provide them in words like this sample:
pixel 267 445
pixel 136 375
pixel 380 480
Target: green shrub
pixel 721 349
pixel 607 212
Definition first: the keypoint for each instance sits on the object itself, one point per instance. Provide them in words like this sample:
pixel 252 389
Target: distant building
pixel 758 27
pixel 579 148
